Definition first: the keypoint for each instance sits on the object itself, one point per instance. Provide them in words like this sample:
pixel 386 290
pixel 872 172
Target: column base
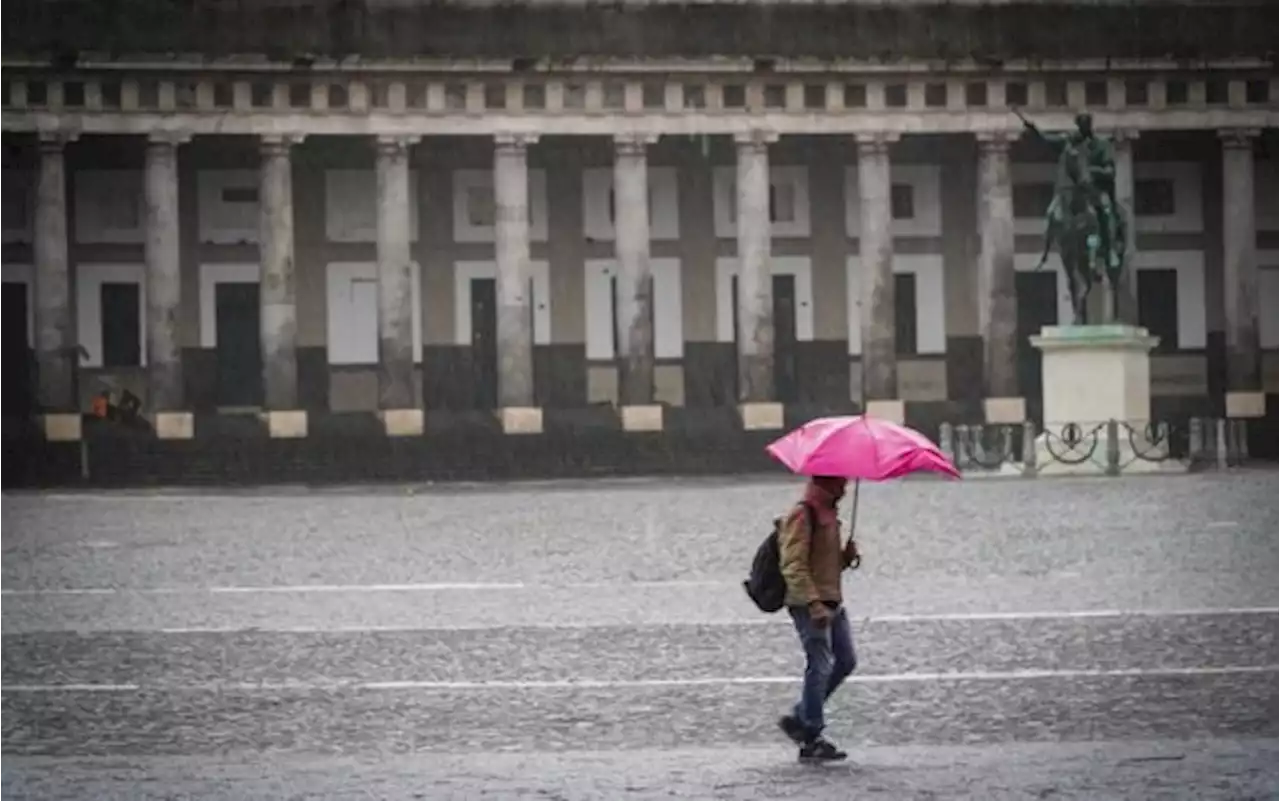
pixel 521 419
pixel 290 424
pixel 895 411
pixel 761 416
pixel 1004 411
pixel 61 427
pixel 403 422
pixel 1246 405
pixel 175 425
pixel 642 418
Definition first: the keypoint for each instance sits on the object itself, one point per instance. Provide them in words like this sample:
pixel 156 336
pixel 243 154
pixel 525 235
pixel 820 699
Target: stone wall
pixel 304 29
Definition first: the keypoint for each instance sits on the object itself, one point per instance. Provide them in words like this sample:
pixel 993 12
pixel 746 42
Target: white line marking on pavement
pixel 447 586
pixel 623 684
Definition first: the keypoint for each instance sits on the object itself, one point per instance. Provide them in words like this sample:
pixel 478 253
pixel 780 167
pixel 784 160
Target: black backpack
pixel 765 585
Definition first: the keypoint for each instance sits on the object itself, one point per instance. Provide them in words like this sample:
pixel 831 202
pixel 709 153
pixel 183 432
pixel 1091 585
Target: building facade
pixel 390 234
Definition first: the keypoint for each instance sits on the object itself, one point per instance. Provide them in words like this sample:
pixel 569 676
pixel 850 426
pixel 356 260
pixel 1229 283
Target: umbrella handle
pixel 853 521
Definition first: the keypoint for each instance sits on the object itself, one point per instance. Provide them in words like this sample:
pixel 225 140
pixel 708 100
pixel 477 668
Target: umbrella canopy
pixel 859 447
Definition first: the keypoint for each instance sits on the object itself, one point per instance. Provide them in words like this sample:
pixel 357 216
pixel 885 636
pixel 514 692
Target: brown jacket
pixel 811 561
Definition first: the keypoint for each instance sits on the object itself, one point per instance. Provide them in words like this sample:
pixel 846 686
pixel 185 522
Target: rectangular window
pixel 902 201
pixel 1176 93
pixel 1055 93
pixel 121 311
pixel 1136 92
pixel 1095 93
pixel 855 95
pixel 935 95
pixel 480 211
pixel 535 96
pixel 1031 200
pixel 240 194
pixel 1158 305
pixel 815 96
pixel 1153 198
pixel 1015 93
pixel 895 95
pixel 904 313
pixel 782 203
pixel 975 94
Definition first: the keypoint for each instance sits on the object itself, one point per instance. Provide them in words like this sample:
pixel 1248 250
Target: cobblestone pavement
pixel 1089 639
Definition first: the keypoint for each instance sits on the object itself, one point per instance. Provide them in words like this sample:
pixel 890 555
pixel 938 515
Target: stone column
pixel 55 331
pixel 395 275
pixel 997 290
pixel 875 248
pixel 515 301
pixel 1127 300
pixel 635 278
pixel 164 273
pixel 755 274
pixel 1240 275
pixel 277 286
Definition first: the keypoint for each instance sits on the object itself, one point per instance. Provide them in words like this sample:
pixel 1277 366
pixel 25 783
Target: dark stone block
pixel 927 417
pixel 462 423
pixel 822 368
pixel 200 375
pixel 560 375
pixel 710 375
pixel 1263 432
pixel 1215 353
pixel 592 420
pixel 964 368
pixel 1177 410
pixel 313 380
pixel 795 415
pixel 353 425
pixel 686 421
pixel 237 426
pixel 447 378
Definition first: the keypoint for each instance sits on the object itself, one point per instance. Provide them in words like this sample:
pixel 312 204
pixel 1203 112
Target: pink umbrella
pixel 859 447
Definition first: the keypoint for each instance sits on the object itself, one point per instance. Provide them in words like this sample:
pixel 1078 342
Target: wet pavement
pixel 1088 639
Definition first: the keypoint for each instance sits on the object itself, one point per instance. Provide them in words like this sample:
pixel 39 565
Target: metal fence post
pixel 1195 440
pixel 1220 443
pixel 1113 448
pixel 1028 448
pixel 946 442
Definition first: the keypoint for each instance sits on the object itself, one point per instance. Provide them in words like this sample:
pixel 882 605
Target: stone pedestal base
pixel 1093 374
pixel 521 419
pixel 175 425
pixel 761 416
pixel 291 424
pixel 403 422
pixel 642 418
pixel 61 427
pixel 895 411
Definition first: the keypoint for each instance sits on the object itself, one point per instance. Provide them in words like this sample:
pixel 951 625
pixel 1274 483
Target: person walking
pixel 812 559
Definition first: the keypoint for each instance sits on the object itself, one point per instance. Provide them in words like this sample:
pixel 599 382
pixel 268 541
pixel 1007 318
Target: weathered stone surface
pixel 395 276
pixel 164 275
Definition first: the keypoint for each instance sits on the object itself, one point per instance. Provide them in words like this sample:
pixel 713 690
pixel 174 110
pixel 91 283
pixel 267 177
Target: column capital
pixel 278 143
pixel 55 141
pixel 395 144
pixel 514 141
pixel 876 142
pixel 996 141
pixel 633 144
pixel 168 138
pixel 1242 138
pixel 755 138
pixel 1123 136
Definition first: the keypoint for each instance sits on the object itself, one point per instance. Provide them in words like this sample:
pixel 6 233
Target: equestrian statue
pixel 1084 220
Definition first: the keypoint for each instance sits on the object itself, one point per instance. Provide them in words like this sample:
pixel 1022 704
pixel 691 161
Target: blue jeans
pixel 829 659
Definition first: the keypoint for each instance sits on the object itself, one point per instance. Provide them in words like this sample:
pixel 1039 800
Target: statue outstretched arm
pixel 1049 138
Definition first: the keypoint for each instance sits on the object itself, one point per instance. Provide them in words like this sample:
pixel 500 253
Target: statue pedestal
pixel 1093 374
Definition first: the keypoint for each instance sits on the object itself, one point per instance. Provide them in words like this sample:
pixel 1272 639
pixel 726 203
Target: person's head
pixel 832 485
pixel 1084 124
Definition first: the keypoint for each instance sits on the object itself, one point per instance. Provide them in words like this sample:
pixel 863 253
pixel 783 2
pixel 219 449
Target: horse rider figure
pixel 1086 164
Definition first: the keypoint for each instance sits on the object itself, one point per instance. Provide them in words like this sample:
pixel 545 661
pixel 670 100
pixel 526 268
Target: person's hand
pixel 819 614
pixel 851 556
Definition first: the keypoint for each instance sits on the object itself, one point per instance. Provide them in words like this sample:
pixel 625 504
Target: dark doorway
pixel 786 378
pixel 239 344
pixel 1037 307
pixel 484 342
pixel 19 398
pixel 121 307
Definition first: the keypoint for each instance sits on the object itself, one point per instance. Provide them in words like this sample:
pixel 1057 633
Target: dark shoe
pixel 793 728
pixel 820 750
